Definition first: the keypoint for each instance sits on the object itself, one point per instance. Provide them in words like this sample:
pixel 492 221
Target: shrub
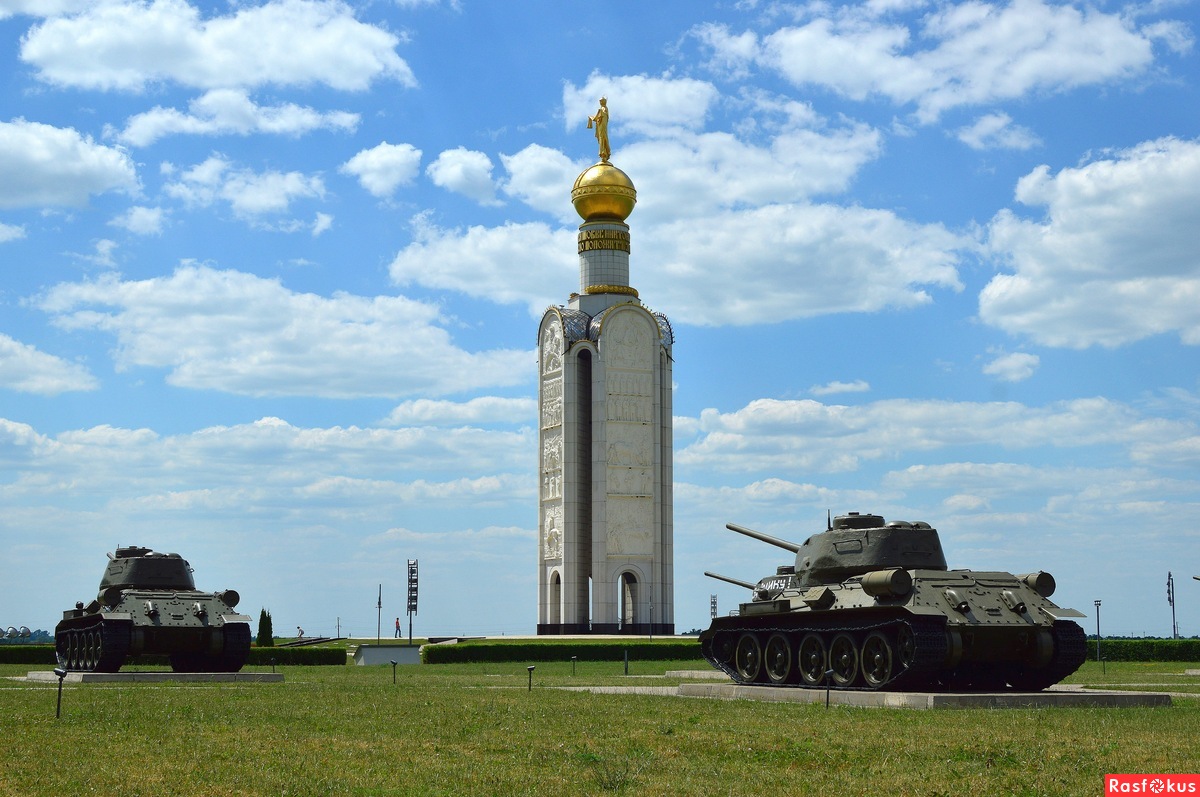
pixel 556 650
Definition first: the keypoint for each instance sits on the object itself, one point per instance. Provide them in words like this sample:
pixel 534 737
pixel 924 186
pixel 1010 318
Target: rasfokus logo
pixel 1151 784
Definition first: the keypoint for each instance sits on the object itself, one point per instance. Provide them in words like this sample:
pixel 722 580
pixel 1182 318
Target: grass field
pixel 477 730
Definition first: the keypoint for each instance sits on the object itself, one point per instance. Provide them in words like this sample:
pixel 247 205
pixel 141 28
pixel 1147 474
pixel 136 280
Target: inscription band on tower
pixel 590 240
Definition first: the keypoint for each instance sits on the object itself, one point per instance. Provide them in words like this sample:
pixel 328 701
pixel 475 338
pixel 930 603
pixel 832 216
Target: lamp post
pixel 61 673
pixel 393 672
pixel 1097 630
pixel 530 668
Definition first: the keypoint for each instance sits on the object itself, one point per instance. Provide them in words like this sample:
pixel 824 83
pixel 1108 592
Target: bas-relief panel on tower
pixel 551 470
pixel 630 521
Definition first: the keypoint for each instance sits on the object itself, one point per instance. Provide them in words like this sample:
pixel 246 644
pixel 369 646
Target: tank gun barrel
pixel 735 581
pixel 767 538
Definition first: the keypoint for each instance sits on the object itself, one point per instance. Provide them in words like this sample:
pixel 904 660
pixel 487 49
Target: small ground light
pixel 530 668
pixel 573 665
pixel 61 673
pixel 393 671
pixel 828 683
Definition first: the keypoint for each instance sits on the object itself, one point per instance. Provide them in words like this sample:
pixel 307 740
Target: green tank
pixel 870 604
pixel 148 603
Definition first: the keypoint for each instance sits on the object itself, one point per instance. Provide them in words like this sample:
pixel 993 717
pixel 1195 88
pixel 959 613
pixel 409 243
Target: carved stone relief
pixel 630 481
pixel 630 445
pixel 552 402
pixel 552 533
pixel 630 527
pixel 552 348
pixel 627 341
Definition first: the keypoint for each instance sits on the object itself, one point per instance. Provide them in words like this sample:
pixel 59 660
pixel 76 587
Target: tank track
pixel 1070 651
pixel 895 654
pixel 234 653
pixel 859 661
pixel 98 645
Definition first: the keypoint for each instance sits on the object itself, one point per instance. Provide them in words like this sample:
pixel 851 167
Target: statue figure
pixel 601 122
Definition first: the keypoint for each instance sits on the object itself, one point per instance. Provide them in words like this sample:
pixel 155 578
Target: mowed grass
pixel 477 730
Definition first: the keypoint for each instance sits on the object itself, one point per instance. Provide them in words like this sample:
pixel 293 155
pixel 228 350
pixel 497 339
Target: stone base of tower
pixel 629 629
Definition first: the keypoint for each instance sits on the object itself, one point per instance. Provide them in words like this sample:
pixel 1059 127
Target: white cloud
pixel 129 46
pixel 1114 260
pixel 833 388
pixel 43 166
pixel 476 411
pixel 638 103
pixel 239 333
pixel 10 232
pixel 249 194
pixel 541 177
pixel 43 8
pixel 790 261
pixel 322 223
pixel 25 369
pixel 225 111
pixel 466 172
pixel 384 168
pixel 1014 367
pixel 806 436
pixel 967 54
pixel 996 131
pixel 481 262
pixel 141 220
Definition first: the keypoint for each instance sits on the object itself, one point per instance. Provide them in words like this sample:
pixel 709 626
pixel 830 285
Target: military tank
pixel 148 603
pixel 870 604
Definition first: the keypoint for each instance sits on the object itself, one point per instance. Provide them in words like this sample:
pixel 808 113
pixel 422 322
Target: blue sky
pixel 270 275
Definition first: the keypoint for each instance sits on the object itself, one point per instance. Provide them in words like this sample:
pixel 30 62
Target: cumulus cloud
pixel 384 168
pixel 1113 260
pixel 1014 367
pixel 248 193
pixel 225 111
pixel 42 166
pixel 541 177
pixel 786 437
pixel 239 333
pixel 640 103
pixel 481 261
pixel 959 55
pixel 25 369
pixel 10 232
pixel 141 220
pixel 833 388
pixel 466 172
pixel 997 131
pixel 477 411
pixel 129 46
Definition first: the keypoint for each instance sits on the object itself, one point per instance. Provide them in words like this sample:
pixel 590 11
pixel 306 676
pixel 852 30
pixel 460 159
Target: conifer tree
pixel 266 636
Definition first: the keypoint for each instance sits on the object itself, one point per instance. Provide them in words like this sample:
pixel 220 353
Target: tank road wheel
pixel 723 646
pixel 747 659
pixel 906 646
pixel 778 659
pixel 812 660
pixel 843 660
pixel 876 660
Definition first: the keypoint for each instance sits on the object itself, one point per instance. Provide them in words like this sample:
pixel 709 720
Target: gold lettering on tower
pixel 617 240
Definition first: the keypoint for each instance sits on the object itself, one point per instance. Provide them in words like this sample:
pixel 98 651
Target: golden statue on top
pixel 601 123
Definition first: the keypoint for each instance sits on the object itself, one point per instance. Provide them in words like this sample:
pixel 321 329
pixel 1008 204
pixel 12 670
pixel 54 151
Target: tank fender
pixel 229 619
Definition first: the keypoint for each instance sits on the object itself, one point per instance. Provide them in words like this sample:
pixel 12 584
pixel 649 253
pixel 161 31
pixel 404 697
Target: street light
pixel 1097 630
pixel 530 668
pixel 61 672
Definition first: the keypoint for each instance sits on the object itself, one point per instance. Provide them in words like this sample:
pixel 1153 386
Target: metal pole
pixel 379 615
pixel 1097 630
pixel 1171 600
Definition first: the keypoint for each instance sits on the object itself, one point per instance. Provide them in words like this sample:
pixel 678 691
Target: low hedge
pixel 259 657
pixel 556 650
pixel 27 654
pixel 1145 649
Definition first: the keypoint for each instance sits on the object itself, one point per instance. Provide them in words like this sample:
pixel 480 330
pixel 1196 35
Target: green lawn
pixel 477 730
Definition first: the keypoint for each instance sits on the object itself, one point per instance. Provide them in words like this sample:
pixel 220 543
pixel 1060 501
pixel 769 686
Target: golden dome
pixel 603 192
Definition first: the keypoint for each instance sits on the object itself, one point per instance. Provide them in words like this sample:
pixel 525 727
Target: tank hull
pixel 947 630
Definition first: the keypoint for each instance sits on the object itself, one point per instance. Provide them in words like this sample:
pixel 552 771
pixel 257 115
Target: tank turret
pixel 148 604
pixel 870 603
